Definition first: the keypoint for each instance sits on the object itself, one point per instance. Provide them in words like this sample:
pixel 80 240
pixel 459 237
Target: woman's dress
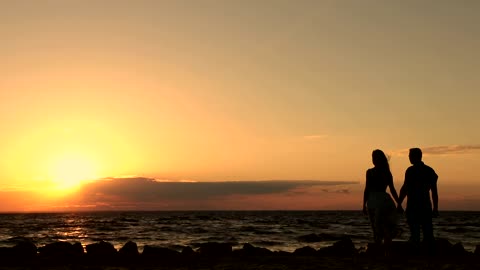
pixel 381 207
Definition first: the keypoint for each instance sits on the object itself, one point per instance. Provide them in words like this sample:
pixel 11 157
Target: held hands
pixel 435 213
pixel 364 210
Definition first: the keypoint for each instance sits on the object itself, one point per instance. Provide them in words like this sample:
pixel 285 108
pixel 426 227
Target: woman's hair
pixel 380 160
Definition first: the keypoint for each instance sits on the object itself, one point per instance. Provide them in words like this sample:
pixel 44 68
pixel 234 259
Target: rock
pixel 443 247
pixel 23 253
pixel 250 250
pixel 188 251
pixel 189 258
pixel 313 237
pixel 459 250
pixel 215 249
pixel 61 251
pixel 129 253
pixel 281 253
pixel 477 250
pixel 305 251
pixel 129 250
pixel 24 250
pixel 153 253
pixel 101 252
pixel 5 253
pixel 78 248
pixel 178 248
pixel 344 247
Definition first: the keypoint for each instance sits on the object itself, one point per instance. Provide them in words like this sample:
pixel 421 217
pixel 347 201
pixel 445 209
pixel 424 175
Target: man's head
pixel 415 155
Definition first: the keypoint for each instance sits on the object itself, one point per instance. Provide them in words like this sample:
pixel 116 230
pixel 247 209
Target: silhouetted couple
pixel 420 179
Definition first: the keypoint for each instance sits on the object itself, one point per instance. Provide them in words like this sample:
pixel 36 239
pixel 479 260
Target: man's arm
pixel 435 198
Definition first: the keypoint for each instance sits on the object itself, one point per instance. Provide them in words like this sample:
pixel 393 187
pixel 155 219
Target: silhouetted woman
pixel 381 207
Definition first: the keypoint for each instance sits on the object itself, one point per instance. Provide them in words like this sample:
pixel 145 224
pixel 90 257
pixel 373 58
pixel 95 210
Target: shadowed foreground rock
pixel 250 250
pixel 211 254
pixel 129 253
pixel 214 249
pixel 61 252
pixel 130 249
pixel 305 251
pixel 313 237
pixel 160 254
pixel 459 250
pixel 24 250
pixel 344 247
pixel 101 252
pixel 442 248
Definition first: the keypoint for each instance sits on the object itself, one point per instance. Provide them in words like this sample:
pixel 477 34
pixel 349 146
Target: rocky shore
pixel 341 255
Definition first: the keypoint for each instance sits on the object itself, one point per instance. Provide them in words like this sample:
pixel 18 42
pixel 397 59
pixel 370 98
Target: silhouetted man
pixel 420 179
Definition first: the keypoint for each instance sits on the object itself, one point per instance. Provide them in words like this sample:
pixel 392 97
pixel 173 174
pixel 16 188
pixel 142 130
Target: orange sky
pixel 235 91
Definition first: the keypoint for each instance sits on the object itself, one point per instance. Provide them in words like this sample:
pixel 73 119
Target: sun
pixel 68 171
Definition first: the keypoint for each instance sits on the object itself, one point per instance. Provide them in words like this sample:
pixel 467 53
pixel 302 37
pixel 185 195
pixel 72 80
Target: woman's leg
pixel 391 224
pixel 372 215
pixel 379 225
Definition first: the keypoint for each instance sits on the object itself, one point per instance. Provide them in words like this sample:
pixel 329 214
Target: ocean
pixel 275 230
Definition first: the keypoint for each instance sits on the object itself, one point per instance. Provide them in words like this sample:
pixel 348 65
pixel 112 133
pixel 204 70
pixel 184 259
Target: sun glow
pixel 69 171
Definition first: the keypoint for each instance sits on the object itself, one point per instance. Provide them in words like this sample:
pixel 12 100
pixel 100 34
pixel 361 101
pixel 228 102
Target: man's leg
pixel 428 232
pixel 414 232
pixel 414 221
pixel 414 224
pixel 428 238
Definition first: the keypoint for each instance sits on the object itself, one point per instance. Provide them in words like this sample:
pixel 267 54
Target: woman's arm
pixel 392 188
pixel 365 193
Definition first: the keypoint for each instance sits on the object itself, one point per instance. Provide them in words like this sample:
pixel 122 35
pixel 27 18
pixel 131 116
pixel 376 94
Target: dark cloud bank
pixel 148 189
pixel 150 194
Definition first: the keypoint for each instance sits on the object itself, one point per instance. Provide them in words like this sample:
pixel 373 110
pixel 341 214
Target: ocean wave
pixel 282 230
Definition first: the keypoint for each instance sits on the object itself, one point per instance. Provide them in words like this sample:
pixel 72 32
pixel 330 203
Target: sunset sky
pixel 112 104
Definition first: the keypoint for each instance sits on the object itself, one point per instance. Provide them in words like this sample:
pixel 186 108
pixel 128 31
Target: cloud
pixel 450 149
pixel 315 137
pixel 150 189
pixel 443 150
pixel 148 193
pixel 337 190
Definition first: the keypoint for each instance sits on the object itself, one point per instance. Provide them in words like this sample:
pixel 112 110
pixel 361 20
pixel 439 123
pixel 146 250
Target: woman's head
pixel 379 159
